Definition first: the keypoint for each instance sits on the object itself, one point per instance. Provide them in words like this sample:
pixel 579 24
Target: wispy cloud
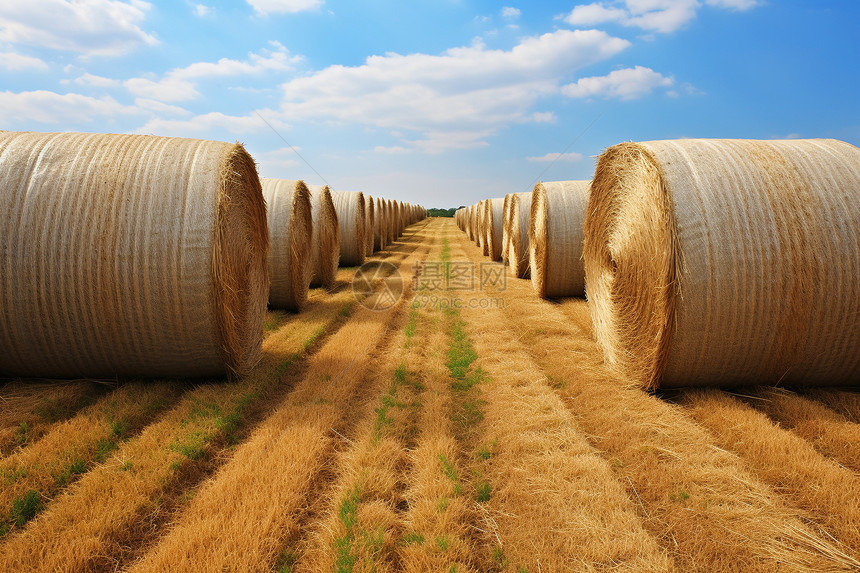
pixel 626 84
pixel 553 157
pixel 453 100
pixel 662 16
pixel 87 27
pixel 12 61
pixel 284 6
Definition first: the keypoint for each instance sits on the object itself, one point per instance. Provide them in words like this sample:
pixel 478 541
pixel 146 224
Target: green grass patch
pixel 348 514
pixel 287 561
pixel 483 491
pixel 443 543
pixel 485 452
pixel 76 468
pixel 346 310
pixel 22 434
pixel 25 508
pixel 192 446
pixel 287 363
pixel 451 473
pixel 413 538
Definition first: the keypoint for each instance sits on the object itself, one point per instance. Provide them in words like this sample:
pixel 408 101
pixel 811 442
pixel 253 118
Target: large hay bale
pixel 290 222
pixel 379 235
pixel 351 216
pixel 555 238
pixel 506 228
pixel 482 227
pixel 370 222
pixel 325 242
pixel 392 234
pixel 129 256
pixel 518 247
pixel 725 262
pixel 493 227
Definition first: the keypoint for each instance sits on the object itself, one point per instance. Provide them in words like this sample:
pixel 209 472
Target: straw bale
pixel 289 218
pixel 518 248
pixel 726 262
pixel 482 228
pixel 555 238
pixel 351 216
pixel 380 215
pixel 129 255
pixel 506 228
pixel 325 241
pixel 493 227
pixel 370 223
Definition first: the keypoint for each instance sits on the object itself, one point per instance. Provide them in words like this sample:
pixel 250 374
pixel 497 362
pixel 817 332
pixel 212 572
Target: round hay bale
pixel 555 238
pixel 290 222
pixel 370 222
pixel 482 227
pixel 727 262
pixel 379 235
pixel 520 216
pixel 493 227
pixel 351 216
pixel 506 228
pixel 129 256
pixel 325 241
pixel 389 206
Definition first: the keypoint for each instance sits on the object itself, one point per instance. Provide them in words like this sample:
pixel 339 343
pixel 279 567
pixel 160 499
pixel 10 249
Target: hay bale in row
pixel 351 216
pixel 290 222
pixel 555 238
pixel 379 236
pixel 506 228
pixel 724 262
pixel 369 219
pixel 325 244
pixel 129 255
pixel 492 230
pixel 519 217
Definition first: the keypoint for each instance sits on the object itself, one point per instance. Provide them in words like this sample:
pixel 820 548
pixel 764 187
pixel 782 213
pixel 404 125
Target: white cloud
pixel 11 61
pixel 180 84
pixel 88 79
pixel 629 83
pixel 282 157
pixel 284 6
pixel 553 157
pixel 544 117
pixel 88 27
pixel 202 10
pixel 452 100
pixel 739 5
pixel 209 123
pixel 593 14
pixel 159 107
pixel 662 16
pixel 61 110
pixel 508 12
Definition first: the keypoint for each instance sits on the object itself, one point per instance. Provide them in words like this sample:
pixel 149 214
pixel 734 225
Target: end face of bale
pixel 325 242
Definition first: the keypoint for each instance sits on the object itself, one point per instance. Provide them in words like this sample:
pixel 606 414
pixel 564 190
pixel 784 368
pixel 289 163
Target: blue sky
pixel 440 102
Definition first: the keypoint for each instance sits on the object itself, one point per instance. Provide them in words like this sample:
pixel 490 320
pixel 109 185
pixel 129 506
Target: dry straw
pixel 493 227
pixel 288 213
pixel 555 238
pixel 724 262
pixel 129 255
pixel 325 244
pixel 518 244
pixel 370 223
pixel 351 216
pixel 481 227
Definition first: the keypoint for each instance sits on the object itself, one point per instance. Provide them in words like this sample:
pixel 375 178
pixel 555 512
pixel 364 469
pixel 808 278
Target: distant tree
pixel 436 212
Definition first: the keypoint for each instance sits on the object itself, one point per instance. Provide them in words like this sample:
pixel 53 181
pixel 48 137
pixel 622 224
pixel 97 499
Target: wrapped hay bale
pixel 129 256
pixel 351 216
pixel 518 248
pixel 555 238
pixel 288 213
pixel 325 241
pixel 493 227
pixel 370 222
pixel 726 262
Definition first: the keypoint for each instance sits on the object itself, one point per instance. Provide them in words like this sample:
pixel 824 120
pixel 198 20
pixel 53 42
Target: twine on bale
pixel 290 222
pixel 518 247
pixel 555 238
pixel 351 216
pixel 129 255
pixel 726 262
pixel 325 241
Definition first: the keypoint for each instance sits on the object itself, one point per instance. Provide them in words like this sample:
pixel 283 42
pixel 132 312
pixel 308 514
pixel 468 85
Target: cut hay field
pixel 483 435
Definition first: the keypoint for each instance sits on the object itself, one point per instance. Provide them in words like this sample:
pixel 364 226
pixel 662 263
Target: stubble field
pixel 467 429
